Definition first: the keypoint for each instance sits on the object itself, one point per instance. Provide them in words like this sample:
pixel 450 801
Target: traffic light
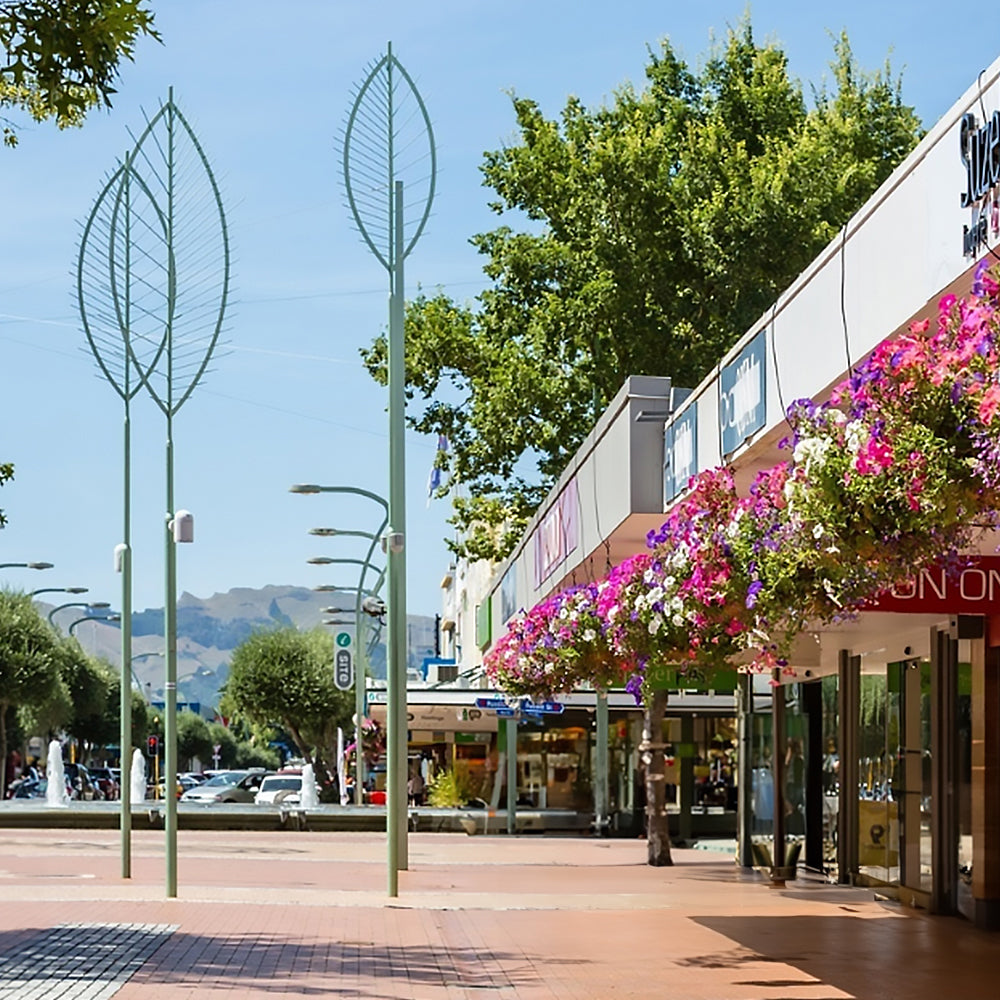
pixel 153 745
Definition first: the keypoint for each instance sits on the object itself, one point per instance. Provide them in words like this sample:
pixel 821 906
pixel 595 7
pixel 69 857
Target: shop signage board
pixel 971 590
pixel 557 534
pixel 743 394
pixel 979 152
pixel 680 453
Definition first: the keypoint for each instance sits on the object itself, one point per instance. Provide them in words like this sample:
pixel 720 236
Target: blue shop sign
pixel 680 453
pixel 743 394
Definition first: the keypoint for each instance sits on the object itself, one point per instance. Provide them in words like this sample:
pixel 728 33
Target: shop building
pixel 880 757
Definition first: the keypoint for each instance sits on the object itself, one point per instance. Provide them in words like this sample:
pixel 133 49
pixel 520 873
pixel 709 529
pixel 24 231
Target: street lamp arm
pixel 94 605
pixel 355 490
pixel 337 533
pixel 58 590
pixel 27 565
pixel 93 618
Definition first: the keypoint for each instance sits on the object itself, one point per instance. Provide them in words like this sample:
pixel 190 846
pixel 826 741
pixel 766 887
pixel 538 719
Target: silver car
pixel 227 786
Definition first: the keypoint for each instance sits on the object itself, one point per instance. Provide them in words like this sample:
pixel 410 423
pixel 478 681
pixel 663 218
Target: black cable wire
pixel 774 355
pixel 843 299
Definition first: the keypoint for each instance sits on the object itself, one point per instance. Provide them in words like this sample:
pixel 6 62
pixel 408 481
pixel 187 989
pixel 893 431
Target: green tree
pixel 6 474
pixel 28 662
pixel 77 703
pixel 193 737
pixel 660 227
pixel 226 742
pixel 107 730
pixel 61 57
pixel 283 677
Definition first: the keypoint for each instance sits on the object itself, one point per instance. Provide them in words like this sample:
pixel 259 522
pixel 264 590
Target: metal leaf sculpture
pixel 121 281
pixel 388 137
pixel 176 172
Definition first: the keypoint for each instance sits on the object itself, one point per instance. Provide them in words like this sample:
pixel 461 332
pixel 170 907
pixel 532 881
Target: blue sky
pixel 267 87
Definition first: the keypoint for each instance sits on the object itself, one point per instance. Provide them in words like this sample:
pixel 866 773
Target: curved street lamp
pixel 93 618
pixel 361 671
pixel 27 565
pixel 90 605
pixel 59 590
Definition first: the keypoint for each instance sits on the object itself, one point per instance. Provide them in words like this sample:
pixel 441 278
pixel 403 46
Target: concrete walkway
pixel 305 914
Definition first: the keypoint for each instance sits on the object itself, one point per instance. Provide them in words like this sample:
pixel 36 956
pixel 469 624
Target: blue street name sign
pixel 491 703
pixel 505 713
pixel 543 707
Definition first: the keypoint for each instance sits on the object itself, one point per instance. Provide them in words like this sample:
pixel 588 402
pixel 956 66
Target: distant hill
pixel 209 629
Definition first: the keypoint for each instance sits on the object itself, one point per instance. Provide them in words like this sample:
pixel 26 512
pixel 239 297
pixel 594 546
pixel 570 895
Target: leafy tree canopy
pixel 61 57
pixel 193 737
pixel 29 674
pixel 6 474
pixel 284 678
pixel 660 227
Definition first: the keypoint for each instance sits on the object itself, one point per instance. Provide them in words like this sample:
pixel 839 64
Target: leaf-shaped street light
pixel 173 164
pixel 153 286
pixel 121 293
pixel 388 140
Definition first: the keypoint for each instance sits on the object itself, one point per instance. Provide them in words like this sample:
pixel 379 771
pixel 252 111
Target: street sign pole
pixel 511 725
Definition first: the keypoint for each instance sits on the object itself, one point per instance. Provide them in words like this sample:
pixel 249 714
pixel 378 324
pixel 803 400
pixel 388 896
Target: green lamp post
pixel 153 285
pixel 388 134
pixel 361 667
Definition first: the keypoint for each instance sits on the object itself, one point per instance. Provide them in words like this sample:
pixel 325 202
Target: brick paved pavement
pixel 529 918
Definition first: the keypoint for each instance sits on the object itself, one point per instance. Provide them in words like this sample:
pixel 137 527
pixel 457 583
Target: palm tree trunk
pixel 657 826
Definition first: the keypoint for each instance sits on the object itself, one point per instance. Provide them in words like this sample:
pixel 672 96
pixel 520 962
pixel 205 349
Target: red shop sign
pixel 974 590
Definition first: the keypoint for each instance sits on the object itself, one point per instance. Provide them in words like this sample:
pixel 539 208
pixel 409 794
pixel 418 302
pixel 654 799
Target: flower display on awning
pixel 902 460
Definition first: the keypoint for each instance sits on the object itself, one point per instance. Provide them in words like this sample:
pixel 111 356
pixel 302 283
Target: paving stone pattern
pixel 77 961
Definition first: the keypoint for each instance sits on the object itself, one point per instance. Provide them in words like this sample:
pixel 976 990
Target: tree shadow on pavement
pixel 271 963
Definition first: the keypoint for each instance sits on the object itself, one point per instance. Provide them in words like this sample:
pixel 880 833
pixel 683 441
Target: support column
pixel 744 765
pixel 600 783
pixel 848 707
pixel 510 730
pixel 986 779
pixel 944 818
pixel 812 703
pixel 685 786
pixel 913 780
pixel 778 769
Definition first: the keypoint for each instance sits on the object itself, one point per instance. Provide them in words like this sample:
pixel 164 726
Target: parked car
pixel 229 786
pixel 106 781
pixel 285 786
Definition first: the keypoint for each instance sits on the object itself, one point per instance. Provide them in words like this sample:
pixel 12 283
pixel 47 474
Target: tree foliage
pixel 193 737
pixel 6 474
pixel 660 227
pixel 284 678
pixel 28 661
pixel 61 57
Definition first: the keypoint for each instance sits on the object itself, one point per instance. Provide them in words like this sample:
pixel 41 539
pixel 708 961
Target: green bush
pixel 449 790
